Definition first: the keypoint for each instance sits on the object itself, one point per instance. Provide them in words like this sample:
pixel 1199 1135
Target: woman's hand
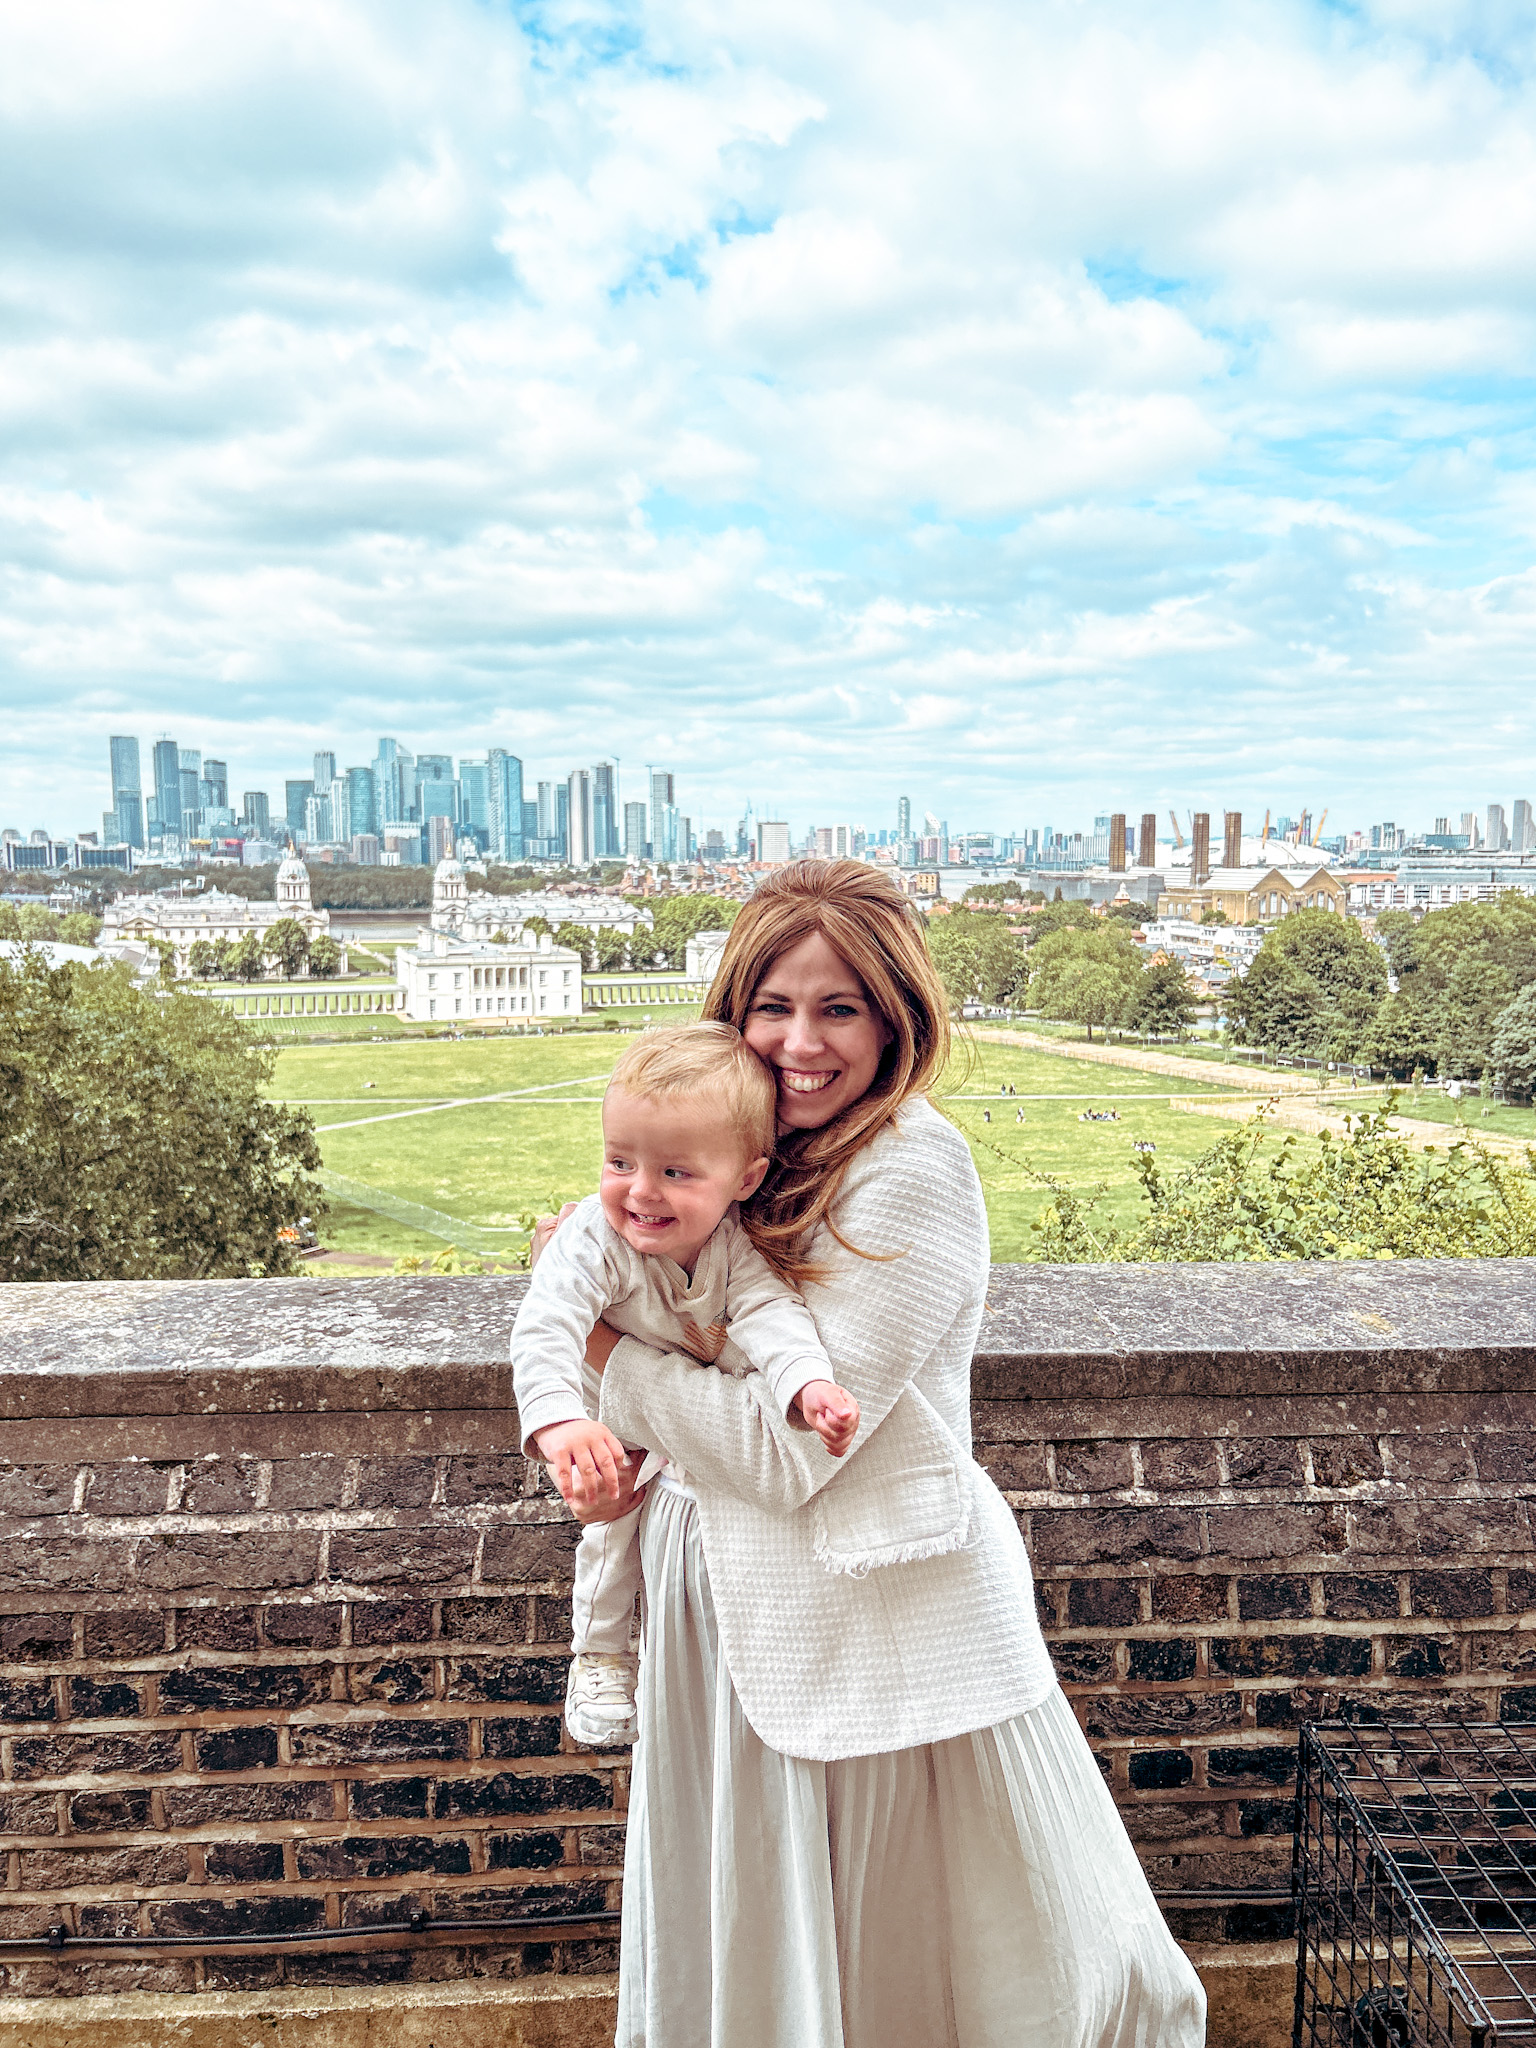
pixel 544 1230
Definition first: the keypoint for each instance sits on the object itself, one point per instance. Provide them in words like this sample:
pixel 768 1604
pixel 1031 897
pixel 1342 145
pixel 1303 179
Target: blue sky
pixel 1034 409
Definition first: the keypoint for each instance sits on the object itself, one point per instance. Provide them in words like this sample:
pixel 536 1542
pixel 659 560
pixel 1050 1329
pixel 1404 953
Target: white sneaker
pixel 600 1699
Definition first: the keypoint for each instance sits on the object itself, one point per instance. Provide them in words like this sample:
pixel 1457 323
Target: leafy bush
pixel 136 1140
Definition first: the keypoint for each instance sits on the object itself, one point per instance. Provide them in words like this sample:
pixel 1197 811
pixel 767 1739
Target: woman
pixel 862 1814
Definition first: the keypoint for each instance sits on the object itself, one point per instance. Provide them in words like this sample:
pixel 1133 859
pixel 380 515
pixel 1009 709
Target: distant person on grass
pixel 688 1129
pixel 862 1814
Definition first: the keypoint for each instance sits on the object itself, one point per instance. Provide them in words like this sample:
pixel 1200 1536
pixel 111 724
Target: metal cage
pixel 1415 1885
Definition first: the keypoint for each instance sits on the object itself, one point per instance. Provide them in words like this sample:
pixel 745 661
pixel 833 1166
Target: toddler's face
pixel 671 1169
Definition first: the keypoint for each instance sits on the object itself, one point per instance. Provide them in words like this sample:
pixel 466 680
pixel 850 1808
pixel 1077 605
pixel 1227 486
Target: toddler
pixel 658 1252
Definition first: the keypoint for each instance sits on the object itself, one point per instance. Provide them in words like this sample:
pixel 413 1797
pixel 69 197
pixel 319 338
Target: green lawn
pixel 1507 1120
pixel 409 1118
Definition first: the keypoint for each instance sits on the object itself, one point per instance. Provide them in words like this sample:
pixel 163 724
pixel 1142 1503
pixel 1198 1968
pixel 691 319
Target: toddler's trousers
pixel 607 1580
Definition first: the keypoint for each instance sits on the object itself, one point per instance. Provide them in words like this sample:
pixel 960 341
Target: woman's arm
pixel 879 1322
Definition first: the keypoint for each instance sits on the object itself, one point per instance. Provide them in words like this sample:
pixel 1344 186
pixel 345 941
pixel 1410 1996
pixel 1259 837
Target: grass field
pixel 481 1131
pixel 1504 1119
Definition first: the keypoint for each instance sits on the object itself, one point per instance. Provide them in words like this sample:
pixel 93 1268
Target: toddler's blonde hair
pixel 668 1060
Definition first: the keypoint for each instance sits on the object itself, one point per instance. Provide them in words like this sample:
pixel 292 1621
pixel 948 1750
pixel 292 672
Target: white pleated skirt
pixel 975 1893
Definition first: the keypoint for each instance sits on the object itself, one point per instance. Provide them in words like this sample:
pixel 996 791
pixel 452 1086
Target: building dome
pixel 450 895
pixel 293 884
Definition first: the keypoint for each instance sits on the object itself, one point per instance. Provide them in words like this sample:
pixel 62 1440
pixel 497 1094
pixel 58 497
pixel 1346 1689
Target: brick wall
pixel 283 1620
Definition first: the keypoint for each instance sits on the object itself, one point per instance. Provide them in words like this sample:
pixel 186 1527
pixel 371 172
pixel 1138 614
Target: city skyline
pixel 1072 398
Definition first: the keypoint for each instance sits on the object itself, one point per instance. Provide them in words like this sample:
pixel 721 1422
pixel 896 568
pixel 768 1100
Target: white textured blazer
pixel 885 1600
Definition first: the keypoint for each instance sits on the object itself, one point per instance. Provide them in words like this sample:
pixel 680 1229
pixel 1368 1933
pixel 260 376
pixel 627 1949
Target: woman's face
pixel 812 1022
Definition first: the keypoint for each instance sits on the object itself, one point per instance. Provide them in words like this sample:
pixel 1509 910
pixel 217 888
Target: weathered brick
pixel 33 1564
pixel 392 1621
pixel 260 1558
pixel 220 1486
pixel 1160 1770
pixel 1173 1820
pixel 1264 1461
pixel 1094 1467
pixel 28 1813
pixel 1180 1465
pixel 1520 1592
pixel 225 1972
pixel 1513 1650
pixel 261 1914
pixel 245 1862
pixel 236 1749
pixel 196 1806
pixel 1115 1535
pixel 396 1482
pixel 1083 1663
pixel 27 1699
pixel 1349 1596
pixel 1438 1458
pixel 124 1633
pixel 1270 1765
pixel 390 1798
pixel 1189 1596
pixel 315 1623
pixel 1274 1598
pixel 307 1484
pixel 95 1699
pixel 66 1756
pixel 1015 1468
pixel 412 1556
pixel 552 1618
pixel 1161 1662
pixel 531 1553
pixel 35 1638
pixel 129 1488
pixel 1345 1460
pixel 361 1742
pixel 1103 1603
pixel 1423 1656
pixel 1276 1531
pixel 217 1628
pixel 234 1686
pixel 492 1480
pixel 385 1909
pixel 50 1870
pixel 401 1681
pixel 1266 1817
pixel 108 1813
pixel 383 1856
pixel 1292 1656
pixel 498 1620
pixel 36 1489
pixel 1518 1703
pixel 1168 1713
pixel 597 1845
pixel 506 1792
pixel 1437 1529
pixel 513 1735
pixel 1508 1456
pixel 538 1681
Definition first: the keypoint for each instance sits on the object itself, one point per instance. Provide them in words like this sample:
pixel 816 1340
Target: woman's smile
pixel 799 1082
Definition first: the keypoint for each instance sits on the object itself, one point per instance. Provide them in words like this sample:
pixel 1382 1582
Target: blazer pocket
pixel 916 1511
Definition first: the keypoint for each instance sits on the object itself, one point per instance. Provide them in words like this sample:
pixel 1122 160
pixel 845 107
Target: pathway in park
pixel 1145 1061
pixel 1314 1118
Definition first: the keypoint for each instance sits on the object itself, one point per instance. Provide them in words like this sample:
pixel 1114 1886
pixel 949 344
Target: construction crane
pixel 1265 840
pixel 1178 836
pixel 1318 834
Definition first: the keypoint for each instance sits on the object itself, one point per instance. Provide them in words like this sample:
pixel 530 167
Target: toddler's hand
pixel 584 1458
pixel 832 1412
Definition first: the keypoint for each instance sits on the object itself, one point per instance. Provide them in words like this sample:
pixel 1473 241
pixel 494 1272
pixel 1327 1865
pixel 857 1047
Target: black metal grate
pixel 1415 1882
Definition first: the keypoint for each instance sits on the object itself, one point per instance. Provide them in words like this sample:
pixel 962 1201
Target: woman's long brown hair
pixel 866 920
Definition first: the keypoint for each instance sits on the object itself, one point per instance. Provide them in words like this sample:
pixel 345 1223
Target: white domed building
pixel 211 914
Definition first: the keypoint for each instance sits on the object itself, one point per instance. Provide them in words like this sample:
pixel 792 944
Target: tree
pixel 324 956
pixel 1213 917
pixel 1315 987
pixel 137 1141
pixel 1163 1003
pixel 999 892
pixel 288 944
pixel 675 919
pixel 612 949
pixel 579 939
pixel 247 961
pixel 1514 1045
pixel 202 960
pixel 538 925
pixel 223 958
pixel 1058 916
pixel 1477 993
pixel 978 958
pixel 1088 974
pixel 27 921
pixel 79 928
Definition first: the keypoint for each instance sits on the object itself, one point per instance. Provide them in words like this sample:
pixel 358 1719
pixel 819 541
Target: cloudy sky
pixel 1035 407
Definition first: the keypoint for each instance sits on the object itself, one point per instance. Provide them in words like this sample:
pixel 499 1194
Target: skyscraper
pixel 663 815
pixel 256 813
pixel 634 831
pixel 903 817
pixel 579 842
pixel 1522 836
pixel 127 792
pixel 325 769
pixel 530 824
pixel 296 796
pixel 362 804
pixel 1498 836
pixel 475 800
pixel 605 811
pixel 215 777
pixel 437 794
pixel 167 761
pixel 504 798
pixel 189 787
